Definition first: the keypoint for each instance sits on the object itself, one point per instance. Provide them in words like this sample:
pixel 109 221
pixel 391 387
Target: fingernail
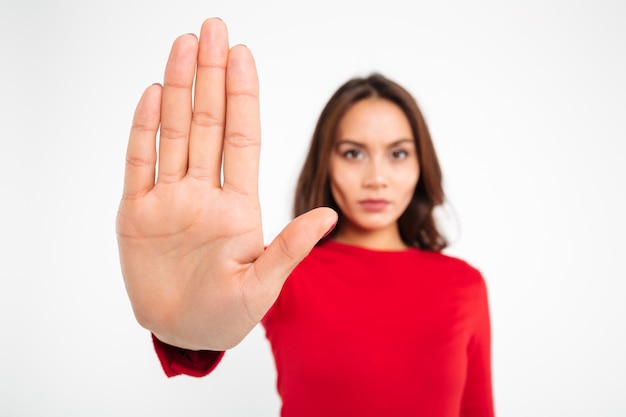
pixel 330 230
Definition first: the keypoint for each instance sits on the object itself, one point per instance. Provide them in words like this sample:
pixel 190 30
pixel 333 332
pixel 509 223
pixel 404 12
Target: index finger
pixel 242 136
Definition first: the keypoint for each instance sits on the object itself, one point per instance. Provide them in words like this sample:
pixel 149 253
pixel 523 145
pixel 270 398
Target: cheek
pixel 342 181
pixel 413 181
pixel 337 188
pixel 344 187
pixel 406 180
pixel 338 196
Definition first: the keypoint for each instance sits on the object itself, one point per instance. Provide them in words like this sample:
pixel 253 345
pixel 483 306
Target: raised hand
pixel 191 244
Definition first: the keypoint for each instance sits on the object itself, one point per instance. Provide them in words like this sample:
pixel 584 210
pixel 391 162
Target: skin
pixel 373 173
pixel 191 247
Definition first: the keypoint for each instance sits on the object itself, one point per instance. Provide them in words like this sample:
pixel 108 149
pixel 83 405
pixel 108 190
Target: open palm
pixel 189 225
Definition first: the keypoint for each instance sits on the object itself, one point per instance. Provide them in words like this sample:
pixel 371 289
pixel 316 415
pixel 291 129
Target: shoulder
pixel 451 268
pixel 449 262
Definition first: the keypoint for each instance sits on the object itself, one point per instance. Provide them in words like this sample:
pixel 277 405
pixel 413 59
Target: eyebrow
pixel 361 145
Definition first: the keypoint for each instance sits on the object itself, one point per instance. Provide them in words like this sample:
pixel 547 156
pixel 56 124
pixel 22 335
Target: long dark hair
pixel 417 224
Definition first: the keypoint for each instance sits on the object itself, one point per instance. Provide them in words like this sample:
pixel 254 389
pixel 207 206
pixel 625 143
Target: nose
pixel 375 175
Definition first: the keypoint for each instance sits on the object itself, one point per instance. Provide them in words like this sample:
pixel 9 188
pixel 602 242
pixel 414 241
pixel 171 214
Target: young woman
pixel 374 319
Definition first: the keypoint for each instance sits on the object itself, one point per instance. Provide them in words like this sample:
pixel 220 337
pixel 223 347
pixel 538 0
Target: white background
pixel 526 103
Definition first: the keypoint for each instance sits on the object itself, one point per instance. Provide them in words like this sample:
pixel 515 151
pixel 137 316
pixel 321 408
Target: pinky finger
pixel 141 151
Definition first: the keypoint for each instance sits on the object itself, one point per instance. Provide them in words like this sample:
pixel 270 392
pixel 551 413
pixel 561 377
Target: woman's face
pixel 373 168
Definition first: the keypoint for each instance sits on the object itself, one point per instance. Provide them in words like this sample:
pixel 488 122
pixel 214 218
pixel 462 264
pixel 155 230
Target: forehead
pixel 374 119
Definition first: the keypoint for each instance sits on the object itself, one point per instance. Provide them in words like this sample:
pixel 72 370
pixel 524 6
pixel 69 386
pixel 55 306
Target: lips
pixel 374 204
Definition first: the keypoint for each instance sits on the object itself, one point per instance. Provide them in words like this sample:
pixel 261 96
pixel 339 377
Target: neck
pixel 388 239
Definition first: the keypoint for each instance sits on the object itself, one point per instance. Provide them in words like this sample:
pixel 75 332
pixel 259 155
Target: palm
pixel 191 245
pixel 188 211
pixel 186 231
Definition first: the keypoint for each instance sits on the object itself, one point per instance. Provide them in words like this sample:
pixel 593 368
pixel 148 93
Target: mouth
pixel 373 204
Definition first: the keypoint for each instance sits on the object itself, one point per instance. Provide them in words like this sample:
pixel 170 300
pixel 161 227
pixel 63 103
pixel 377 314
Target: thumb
pixel 291 246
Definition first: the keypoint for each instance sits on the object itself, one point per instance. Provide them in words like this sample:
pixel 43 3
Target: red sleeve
pixel 178 361
pixel 478 396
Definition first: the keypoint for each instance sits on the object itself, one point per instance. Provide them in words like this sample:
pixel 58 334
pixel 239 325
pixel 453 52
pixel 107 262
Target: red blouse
pixel 370 333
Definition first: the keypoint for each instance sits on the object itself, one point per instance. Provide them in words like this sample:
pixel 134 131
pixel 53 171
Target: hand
pixel 191 246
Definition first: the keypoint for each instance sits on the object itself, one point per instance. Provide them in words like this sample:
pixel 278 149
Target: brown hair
pixel 417 224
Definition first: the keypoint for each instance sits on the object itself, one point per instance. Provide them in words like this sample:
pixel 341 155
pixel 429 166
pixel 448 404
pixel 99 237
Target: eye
pixel 353 154
pixel 399 154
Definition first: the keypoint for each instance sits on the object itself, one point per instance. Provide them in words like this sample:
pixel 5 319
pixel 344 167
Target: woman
pixel 373 320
